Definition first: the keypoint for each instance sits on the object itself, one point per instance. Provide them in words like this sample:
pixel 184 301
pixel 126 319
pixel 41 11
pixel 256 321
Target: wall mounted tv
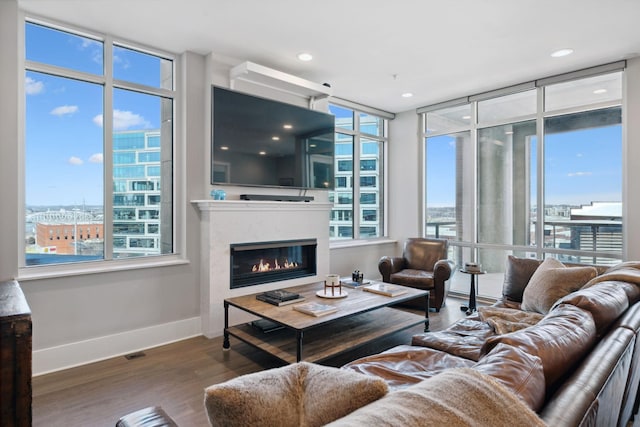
pixel 262 142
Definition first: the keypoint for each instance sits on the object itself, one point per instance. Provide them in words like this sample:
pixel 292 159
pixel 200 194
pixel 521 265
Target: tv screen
pixel 262 142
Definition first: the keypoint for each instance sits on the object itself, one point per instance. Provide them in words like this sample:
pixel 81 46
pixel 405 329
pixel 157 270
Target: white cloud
pixel 96 158
pixel 64 110
pixel 119 61
pixel 123 120
pixel 75 161
pixel 33 87
pixel 579 174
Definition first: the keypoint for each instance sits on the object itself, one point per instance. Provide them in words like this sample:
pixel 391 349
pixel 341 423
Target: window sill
pixel 339 244
pixel 84 268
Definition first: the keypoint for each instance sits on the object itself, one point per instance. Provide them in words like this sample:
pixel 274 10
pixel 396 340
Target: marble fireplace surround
pixel 224 222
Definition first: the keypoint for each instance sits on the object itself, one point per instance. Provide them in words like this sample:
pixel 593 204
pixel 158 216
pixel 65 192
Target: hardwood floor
pixel 172 376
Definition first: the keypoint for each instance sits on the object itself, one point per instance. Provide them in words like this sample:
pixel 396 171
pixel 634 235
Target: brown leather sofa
pixel 423 265
pixel 576 365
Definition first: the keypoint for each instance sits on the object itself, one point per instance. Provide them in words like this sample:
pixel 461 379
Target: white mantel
pixel 223 222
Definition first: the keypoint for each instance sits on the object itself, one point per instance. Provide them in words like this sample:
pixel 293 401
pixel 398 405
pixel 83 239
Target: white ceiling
pixel 438 50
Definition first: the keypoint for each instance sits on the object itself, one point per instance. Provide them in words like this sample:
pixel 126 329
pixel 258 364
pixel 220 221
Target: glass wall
pixel 493 159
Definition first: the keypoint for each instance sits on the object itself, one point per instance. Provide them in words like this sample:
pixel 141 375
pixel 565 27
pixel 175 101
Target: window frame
pixel 109 84
pixel 359 138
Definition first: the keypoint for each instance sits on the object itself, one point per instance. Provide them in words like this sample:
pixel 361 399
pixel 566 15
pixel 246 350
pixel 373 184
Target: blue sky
pixel 64 130
pixel 580 167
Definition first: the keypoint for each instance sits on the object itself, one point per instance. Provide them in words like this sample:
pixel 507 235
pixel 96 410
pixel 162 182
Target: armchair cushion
pixel 301 394
pixel 414 278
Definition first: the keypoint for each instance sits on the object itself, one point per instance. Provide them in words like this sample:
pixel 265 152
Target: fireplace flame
pixel 266 266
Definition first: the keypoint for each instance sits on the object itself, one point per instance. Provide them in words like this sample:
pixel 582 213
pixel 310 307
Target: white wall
pixel 9 169
pixel 631 157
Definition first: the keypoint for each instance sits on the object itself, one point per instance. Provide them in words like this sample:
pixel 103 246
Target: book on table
pixel 385 289
pixel 352 284
pixel 275 301
pixel 282 294
pixel 315 309
pixel 265 325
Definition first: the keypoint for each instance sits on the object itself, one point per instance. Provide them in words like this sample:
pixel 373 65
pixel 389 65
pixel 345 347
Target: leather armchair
pixel 423 265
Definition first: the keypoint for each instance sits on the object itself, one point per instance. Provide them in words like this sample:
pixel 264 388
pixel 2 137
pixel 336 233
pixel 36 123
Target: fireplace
pixel 266 262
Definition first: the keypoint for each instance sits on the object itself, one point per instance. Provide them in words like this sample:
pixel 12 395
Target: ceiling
pixel 373 51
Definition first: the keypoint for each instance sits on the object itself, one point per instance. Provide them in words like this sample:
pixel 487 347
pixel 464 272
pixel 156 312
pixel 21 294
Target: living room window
pixel 360 141
pixel 492 159
pixel 98 146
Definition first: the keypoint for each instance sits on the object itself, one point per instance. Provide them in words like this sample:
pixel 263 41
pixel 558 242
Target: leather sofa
pixel 576 365
pixel 423 265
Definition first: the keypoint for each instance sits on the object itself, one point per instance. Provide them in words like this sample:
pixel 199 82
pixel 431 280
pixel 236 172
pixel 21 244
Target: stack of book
pixel 385 289
pixel 280 297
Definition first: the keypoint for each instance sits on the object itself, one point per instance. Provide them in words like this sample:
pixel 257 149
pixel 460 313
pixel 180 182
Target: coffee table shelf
pixel 331 339
pixel 361 318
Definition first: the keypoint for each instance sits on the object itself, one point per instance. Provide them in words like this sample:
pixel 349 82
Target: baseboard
pixel 93 350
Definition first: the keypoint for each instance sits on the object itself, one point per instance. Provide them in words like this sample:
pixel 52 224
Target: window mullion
pixel 108 148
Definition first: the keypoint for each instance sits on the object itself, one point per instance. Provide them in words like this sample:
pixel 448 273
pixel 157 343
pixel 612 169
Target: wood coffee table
pixel 361 318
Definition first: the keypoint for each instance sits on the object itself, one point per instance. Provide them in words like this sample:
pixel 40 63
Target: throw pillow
pixel 300 394
pixel 551 281
pixel 517 274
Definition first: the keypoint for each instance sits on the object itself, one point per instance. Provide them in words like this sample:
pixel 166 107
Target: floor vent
pixel 135 355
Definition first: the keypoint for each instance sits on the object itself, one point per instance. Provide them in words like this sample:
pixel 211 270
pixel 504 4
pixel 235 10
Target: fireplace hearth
pixel 266 262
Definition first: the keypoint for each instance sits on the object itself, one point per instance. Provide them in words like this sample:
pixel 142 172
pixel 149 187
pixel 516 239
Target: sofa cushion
pixel 404 365
pixel 560 340
pixel 517 370
pixel 551 281
pixel 606 301
pixel 301 394
pixel 517 273
pixel 456 397
pixel 464 338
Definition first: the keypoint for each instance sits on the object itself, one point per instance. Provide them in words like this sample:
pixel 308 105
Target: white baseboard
pixel 93 350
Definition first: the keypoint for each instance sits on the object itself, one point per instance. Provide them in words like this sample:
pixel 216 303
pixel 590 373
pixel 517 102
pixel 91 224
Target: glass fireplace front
pixel 266 262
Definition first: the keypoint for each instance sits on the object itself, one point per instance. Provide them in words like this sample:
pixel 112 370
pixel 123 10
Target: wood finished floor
pixel 172 376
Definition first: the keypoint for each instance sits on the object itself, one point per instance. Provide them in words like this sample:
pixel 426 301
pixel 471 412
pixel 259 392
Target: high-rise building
pixel 136 193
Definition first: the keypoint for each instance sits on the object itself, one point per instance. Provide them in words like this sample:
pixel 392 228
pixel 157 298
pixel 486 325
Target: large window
pixel 359 192
pixel 493 160
pixel 98 148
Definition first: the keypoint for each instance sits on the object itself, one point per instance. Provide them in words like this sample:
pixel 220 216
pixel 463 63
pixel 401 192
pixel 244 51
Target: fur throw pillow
pixel 551 281
pixel 301 394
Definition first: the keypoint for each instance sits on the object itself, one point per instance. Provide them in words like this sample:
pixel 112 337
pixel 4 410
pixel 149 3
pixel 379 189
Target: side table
pixel 472 291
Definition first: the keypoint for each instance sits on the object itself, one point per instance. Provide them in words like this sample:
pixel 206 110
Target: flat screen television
pixel 262 142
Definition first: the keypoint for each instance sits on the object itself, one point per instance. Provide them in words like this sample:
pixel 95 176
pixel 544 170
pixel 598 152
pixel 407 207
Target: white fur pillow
pixel 301 394
pixel 551 281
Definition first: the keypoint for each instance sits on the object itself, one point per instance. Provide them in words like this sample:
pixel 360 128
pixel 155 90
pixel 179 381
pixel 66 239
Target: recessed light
pixel 562 52
pixel 305 56
pixel 287 126
pixel 275 138
pixel 224 147
pixel 262 153
pixel 600 91
pixel 407 95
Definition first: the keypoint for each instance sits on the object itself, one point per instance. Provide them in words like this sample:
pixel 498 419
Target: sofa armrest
pixel 389 265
